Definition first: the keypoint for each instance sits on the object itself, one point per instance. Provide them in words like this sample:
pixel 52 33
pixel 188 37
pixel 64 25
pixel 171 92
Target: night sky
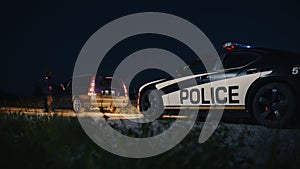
pixel 36 35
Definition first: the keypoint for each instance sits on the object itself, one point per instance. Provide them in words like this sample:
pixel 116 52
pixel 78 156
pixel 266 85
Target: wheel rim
pixel 272 105
pixel 150 104
pixel 76 105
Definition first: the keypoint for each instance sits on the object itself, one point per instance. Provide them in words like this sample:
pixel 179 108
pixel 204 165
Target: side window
pixel 103 83
pixel 238 59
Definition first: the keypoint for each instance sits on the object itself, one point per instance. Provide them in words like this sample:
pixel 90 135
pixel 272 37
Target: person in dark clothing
pixel 47 91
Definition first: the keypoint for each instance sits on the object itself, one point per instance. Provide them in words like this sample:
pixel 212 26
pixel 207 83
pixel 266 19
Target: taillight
pixel 91 90
pixel 125 89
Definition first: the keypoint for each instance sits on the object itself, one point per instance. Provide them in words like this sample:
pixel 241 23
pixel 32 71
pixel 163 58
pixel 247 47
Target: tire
pixel 151 104
pixel 77 105
pixel 274 105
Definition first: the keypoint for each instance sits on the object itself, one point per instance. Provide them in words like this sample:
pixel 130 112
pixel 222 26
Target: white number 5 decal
pixel 295 70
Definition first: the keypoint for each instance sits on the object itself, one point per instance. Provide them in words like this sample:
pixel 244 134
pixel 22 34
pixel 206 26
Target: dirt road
pixel 71 113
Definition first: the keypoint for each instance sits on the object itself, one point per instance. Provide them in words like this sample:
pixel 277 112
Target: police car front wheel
pixel 274 105
pixel 151 104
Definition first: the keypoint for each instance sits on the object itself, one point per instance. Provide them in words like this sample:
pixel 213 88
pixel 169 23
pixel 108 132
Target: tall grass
pixel 59 142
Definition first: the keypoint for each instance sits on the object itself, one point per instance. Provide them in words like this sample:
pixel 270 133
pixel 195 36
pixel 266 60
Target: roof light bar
pixel 233 45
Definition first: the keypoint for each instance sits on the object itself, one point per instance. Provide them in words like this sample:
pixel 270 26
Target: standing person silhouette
pixel 47 91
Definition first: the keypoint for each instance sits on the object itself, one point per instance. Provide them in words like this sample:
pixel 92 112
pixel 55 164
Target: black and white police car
pixel 264 82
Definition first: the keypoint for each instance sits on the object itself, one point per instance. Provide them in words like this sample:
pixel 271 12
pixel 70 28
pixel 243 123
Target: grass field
pixel 57 142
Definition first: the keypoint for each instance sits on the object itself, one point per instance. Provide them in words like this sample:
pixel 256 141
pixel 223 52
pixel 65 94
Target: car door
pixel 240 73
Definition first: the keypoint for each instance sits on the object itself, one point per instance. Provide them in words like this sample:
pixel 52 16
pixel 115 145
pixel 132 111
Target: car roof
pixel 265 51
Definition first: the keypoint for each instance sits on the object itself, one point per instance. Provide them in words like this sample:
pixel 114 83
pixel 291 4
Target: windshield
pixel 197 66
pixel 219 62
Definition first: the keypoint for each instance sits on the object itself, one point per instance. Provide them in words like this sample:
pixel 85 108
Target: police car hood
pixel 161 83
pixel 166 82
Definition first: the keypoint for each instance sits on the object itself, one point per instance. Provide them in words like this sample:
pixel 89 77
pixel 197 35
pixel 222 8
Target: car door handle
pixel 251 71
pixel 205 77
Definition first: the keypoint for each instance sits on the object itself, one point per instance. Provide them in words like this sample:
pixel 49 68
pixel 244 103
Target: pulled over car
pixel 99 93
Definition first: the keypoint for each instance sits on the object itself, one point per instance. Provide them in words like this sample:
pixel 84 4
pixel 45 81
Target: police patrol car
pixel 264 82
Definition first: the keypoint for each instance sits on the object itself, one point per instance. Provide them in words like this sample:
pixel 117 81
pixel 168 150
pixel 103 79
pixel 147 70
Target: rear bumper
pixel 103 101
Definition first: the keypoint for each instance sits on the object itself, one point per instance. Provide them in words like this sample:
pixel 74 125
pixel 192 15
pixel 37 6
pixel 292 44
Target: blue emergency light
pixel 233 45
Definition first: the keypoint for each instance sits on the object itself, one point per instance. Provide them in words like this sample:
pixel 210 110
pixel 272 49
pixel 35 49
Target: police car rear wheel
pixel 274 105
pixel 151 104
